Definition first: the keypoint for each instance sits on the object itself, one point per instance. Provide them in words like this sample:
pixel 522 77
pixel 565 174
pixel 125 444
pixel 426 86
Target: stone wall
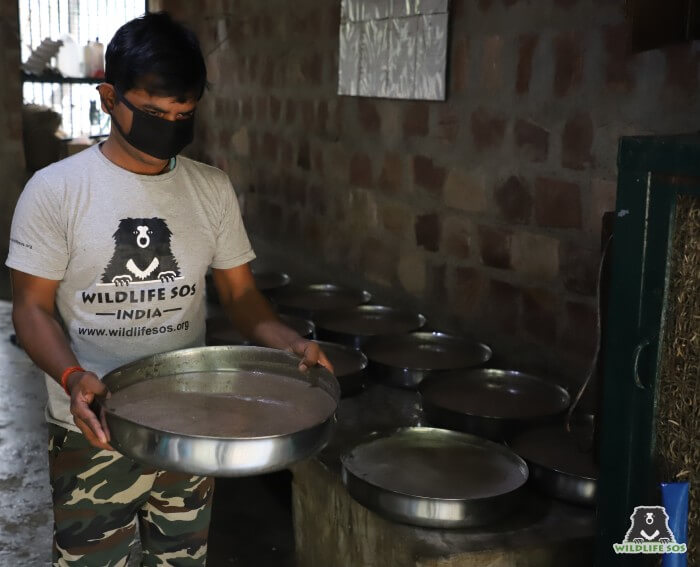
pixel 11 150
pixel 484 209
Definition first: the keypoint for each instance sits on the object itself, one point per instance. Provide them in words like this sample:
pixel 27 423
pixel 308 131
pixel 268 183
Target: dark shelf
pixel 29 78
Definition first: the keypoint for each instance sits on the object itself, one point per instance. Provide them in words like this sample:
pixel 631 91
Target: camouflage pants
pixel 98 496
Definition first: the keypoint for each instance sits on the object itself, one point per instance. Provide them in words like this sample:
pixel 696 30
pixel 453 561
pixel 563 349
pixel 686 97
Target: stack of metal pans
pixel 406 360
pixel 225 411
pixel 490 402
pixel 434 478
pixel 561 462
pixel 307 300
pixel 348 366
pixel 354 326
pixel 220 331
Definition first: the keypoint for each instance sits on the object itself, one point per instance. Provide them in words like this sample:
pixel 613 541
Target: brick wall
pixel 11 150
pixel 485 209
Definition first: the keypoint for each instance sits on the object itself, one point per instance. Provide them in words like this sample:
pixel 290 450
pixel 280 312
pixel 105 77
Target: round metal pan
pixel 220 331
pixel 307 300
pixel 348 365
pixel 406 360
pixel 266 281
pixel 489 402
pixel 354 326
pixel 269 281
pixel 220 375
pixel 434 478
pixel 561 463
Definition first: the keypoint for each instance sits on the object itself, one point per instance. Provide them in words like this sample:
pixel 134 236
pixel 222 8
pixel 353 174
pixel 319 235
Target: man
pixel 108 252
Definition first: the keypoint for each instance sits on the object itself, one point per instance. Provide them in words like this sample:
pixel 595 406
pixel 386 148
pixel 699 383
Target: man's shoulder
pixel 67 167
pixel 205 170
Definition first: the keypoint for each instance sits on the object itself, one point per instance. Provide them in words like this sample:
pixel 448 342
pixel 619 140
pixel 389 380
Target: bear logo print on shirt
pixel 142 253
pixel 649 524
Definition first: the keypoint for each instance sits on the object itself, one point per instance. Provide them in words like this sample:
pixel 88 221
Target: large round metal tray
pixel 348 365
pixel 269 281
pixel 235 374
pixel 490 402
pixel 561 462
pixel 354 326
pixel 434 477
pixel 307 300
pixel 220 331
pixel 406 360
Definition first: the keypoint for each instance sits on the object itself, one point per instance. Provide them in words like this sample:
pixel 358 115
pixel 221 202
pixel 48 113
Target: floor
pixel 251 525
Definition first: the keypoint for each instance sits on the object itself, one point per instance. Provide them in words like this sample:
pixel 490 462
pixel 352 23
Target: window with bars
pixel 75 97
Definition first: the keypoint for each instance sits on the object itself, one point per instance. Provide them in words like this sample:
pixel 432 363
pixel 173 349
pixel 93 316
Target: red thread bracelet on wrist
pixel 67 372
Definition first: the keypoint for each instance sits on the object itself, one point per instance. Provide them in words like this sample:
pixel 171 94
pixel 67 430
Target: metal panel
pixel 349 60
pixel 401 80
pixel 430 57
pixel 401 47
pixel 374 57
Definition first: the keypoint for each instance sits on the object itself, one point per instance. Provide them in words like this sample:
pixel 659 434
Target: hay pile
pixel 678 412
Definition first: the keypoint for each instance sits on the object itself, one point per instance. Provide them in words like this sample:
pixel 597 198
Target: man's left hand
pixel 310 353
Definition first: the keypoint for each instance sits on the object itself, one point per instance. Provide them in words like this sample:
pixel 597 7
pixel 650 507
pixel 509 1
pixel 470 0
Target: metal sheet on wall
pixel 393 48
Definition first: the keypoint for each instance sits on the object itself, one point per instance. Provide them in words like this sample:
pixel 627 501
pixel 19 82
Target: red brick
pixel 270 146
pixel 447 127
pixel 318 162
pixel 532 140
pixel 415 119
pixel 577 141
pixel 275 108
pixel 247 109
pixel 428 175
pixel 286 153
pixel 368 115
pixel 502 306
pixel 579 268
pixel 290 111
pixel 308 115
pixel 360 170
pixel 379 260
pixel 460 65
pixel 456 238
pixel 304 156
pixel 468 289
pixel 494 244
pixel 526 51
pixel 540 314
pixel 488 129
pixel 580 333
pixel 317 200
pixel 322 116
pixel 261 109
pixel 427 229
pixel 436 285
pixel 568 63
pixel 557 203
pixel 682 68
pixel 391 178
pixel 485 5
pixel 619 75
pixel 514 200
pixel 491 62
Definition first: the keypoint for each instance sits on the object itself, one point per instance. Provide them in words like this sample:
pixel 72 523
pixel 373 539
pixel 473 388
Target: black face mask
pixel 156 136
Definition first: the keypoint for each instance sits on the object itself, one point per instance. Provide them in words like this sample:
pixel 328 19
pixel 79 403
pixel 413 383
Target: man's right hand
pixel 83 388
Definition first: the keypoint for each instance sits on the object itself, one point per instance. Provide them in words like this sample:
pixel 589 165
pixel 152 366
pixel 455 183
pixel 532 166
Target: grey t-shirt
pixel 130 251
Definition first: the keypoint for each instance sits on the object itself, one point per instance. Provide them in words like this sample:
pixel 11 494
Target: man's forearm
pixel 43 339
pixel 256 320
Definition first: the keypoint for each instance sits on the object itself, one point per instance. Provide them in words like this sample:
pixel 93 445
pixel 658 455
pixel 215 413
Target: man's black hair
pixel 158 54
